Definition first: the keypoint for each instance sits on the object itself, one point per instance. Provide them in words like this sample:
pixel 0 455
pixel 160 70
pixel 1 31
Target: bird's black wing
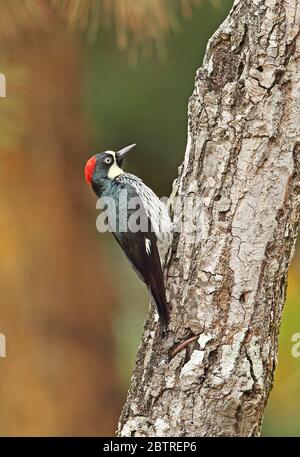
pixel 141 249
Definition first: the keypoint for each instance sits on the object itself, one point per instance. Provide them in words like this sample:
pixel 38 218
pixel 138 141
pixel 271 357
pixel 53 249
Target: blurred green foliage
pixel 146 103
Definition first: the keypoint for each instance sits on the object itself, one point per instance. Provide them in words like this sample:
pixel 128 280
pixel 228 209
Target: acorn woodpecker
pixel 136 217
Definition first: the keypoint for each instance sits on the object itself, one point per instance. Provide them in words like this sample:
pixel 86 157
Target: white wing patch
pixel 148 246
pixel 155 209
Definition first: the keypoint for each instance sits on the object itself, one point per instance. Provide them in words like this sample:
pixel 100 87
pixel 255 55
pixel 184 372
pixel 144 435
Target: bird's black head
pixel 105 165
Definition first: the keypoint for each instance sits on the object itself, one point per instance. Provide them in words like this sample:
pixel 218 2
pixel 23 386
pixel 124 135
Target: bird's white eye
pixel 108 160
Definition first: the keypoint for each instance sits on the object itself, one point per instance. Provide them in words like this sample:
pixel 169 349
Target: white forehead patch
pixel 114 170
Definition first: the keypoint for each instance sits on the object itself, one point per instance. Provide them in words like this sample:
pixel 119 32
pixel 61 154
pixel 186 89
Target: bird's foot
pixel 183 345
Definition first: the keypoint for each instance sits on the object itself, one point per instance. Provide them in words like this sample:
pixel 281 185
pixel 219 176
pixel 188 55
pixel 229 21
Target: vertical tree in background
pixel 56 304
pixel 228 287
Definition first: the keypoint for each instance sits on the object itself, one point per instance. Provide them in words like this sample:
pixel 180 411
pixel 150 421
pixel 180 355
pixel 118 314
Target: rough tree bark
pixel 228 285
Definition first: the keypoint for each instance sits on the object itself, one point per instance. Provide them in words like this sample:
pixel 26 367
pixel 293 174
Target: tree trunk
pixel 226 270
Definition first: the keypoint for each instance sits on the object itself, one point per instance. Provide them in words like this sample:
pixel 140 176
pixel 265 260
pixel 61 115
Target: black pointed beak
pixel 123 152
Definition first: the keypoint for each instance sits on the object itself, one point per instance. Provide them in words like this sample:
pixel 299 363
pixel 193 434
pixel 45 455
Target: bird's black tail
pixel 157 293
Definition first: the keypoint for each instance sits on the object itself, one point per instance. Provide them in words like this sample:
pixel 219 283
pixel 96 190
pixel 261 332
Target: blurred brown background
pixel 84 77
